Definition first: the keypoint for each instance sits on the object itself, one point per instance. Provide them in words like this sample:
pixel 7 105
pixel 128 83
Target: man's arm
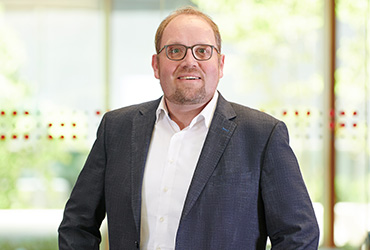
pixel 85 209
pixel 290 218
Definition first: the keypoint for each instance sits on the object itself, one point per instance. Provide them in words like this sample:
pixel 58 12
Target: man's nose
pixel 189 58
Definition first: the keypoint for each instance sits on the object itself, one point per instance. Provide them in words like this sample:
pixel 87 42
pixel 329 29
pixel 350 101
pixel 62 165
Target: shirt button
pixel 161 219
pixel 158 248
pixel 165 189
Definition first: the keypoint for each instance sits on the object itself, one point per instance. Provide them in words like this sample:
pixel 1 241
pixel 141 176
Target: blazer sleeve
pixel 290 218
pixel 85 209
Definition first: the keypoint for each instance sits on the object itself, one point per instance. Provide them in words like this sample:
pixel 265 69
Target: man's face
pixel 188 81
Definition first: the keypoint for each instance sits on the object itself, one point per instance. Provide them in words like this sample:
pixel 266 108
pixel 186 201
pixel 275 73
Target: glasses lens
pixel 175 52
pixel 202 52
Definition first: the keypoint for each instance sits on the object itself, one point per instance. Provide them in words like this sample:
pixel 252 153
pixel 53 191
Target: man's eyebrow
pixel 175 43
pixel 188 44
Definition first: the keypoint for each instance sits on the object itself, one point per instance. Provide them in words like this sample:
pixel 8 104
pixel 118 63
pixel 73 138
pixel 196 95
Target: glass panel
pixel 51 91
pixel 51 101
pixel 352 211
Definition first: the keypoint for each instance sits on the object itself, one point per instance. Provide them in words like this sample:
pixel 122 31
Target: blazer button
pixel 137 244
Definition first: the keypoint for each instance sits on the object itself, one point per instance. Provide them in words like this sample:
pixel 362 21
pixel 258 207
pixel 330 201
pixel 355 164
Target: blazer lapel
pixel 142 128
pixel 219 134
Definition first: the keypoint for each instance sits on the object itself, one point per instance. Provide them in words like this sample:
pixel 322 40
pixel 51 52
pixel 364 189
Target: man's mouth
pixel 189 78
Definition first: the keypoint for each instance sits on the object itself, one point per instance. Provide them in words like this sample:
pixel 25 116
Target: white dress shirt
pixel 171 161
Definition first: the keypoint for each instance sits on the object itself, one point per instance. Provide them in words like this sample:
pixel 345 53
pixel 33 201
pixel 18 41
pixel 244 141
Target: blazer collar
pixel 219 134
pixel 142 128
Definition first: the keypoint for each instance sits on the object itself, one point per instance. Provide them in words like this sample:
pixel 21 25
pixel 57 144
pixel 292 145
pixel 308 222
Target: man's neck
pixel 184 114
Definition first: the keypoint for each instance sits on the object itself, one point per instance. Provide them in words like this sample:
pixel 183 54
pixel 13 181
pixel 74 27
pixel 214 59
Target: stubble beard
pixel 188 95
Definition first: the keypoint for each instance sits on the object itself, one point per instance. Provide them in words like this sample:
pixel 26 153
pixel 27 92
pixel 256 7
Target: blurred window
pixel 352 210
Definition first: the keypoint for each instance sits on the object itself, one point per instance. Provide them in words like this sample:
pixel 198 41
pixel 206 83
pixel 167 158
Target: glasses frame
pixel 186 51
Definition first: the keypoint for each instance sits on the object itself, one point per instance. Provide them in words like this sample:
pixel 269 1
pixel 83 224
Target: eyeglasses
pixel 177 52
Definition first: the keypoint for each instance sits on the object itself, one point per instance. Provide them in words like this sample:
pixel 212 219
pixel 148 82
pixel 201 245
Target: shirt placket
pixel 166 188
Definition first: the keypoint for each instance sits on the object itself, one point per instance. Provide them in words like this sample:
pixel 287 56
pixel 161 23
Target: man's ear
pixel 155 65
pixel 221 66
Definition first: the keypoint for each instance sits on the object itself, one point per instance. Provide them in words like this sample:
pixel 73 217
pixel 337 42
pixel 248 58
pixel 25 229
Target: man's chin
pixel 186 100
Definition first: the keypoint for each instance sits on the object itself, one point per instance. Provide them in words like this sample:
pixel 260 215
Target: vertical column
pixel 330 123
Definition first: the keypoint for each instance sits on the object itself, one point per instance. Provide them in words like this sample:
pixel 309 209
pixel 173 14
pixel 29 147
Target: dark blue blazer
pixel 247 186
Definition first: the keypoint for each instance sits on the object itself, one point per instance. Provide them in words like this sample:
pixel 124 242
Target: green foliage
pixel 277 43
pixel 29 244
pixel 33 157
pixel 352 95
pixel 352 53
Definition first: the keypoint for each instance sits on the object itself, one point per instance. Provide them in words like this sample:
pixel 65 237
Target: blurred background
pixel 64 63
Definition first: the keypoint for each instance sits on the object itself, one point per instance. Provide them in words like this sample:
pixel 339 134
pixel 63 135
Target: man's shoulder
pixel 245 112
pixel 241 113
pixel 254 121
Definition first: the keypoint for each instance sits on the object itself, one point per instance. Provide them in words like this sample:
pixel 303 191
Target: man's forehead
pixel 186 19
pixel 189 24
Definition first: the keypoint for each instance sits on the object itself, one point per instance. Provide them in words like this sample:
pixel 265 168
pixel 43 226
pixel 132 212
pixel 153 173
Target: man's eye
pixel 174 51
pixel 202 51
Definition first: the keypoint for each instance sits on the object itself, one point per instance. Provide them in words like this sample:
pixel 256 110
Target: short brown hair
pixel 188 10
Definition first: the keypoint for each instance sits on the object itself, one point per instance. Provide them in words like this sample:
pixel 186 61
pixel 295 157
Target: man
pixel 190 170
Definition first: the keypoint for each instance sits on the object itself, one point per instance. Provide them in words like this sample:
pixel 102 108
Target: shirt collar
pixel 206 113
